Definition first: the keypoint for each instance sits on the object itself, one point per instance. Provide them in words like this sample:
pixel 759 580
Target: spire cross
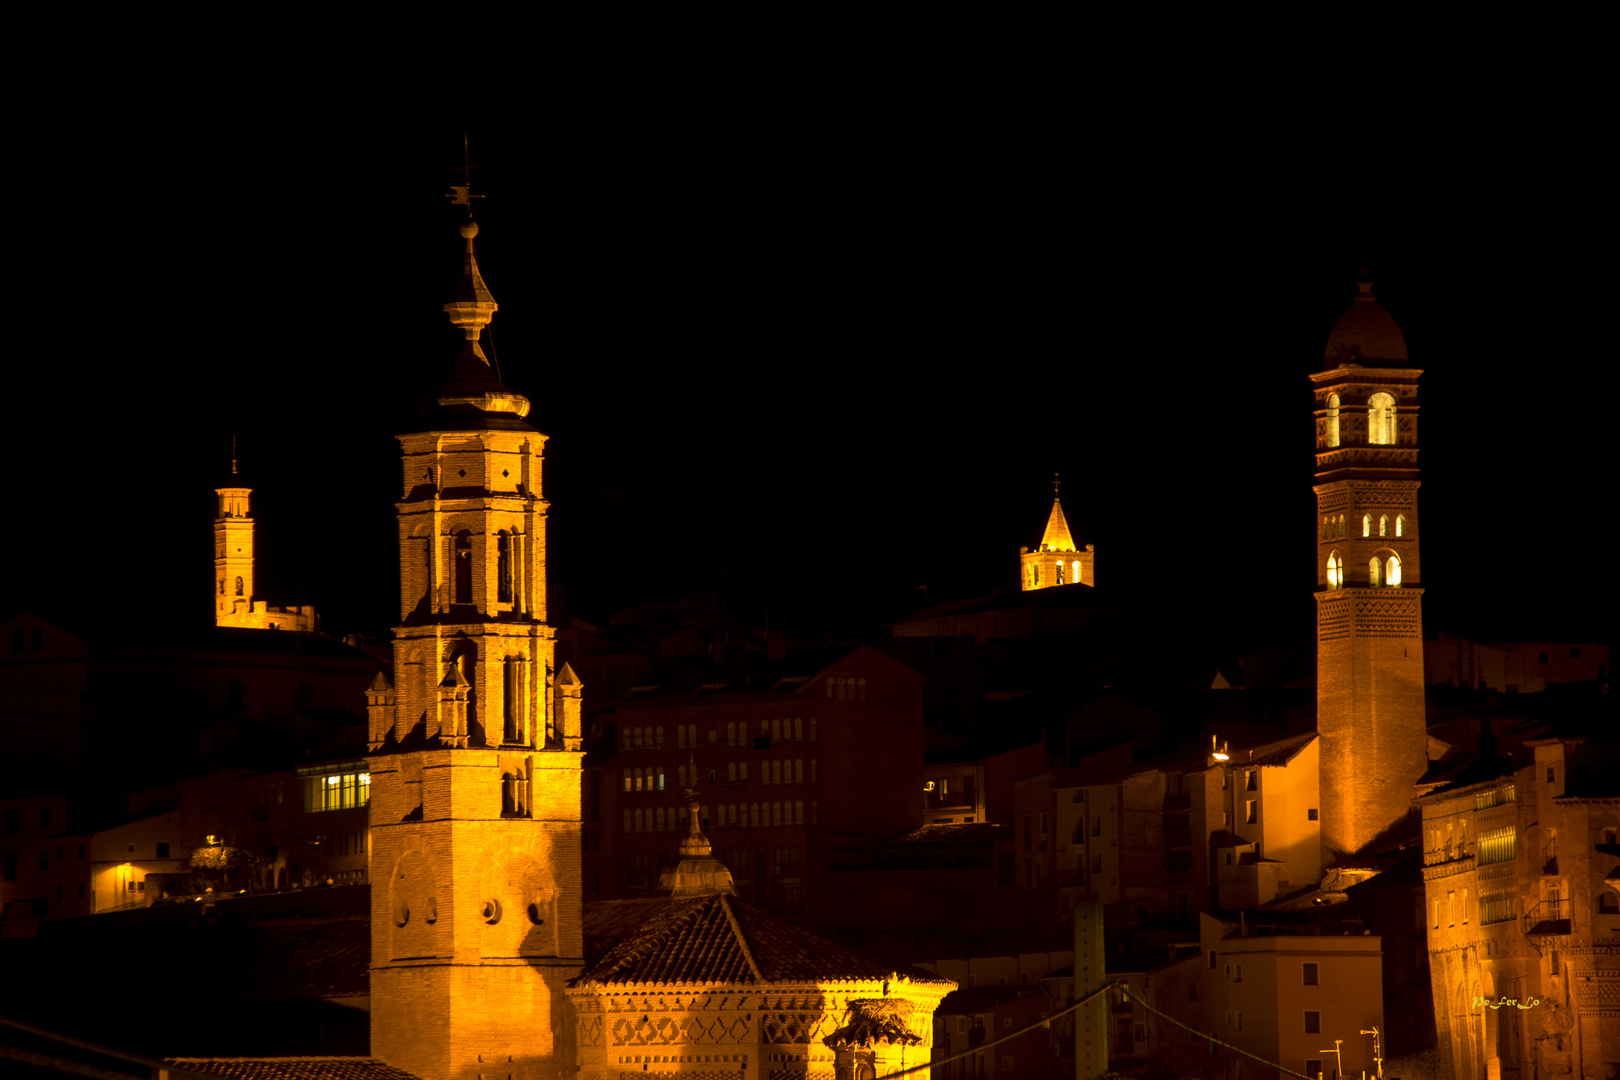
pixel 1055 483
pixel 233 455
pixel 462 194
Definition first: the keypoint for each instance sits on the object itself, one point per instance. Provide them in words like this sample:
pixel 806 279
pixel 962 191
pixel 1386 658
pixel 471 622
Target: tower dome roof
pixel 1365 333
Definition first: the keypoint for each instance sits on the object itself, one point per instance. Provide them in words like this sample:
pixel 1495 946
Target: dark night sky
pixel 831 359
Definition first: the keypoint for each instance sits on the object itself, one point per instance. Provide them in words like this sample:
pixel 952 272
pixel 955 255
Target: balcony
pixel 1550 918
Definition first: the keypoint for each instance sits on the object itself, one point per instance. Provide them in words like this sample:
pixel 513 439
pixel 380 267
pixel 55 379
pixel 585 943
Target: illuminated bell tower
pixel 233 551
pixel 1057 561
pixel 1369 603
pixel 477 906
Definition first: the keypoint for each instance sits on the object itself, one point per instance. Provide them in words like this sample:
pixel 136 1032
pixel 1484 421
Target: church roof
pixel 717 939
pixel 1057 537
pixel 289 1068
pixel 1365 334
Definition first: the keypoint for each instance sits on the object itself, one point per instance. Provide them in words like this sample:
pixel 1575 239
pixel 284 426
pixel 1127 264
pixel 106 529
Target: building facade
pixel 1522 901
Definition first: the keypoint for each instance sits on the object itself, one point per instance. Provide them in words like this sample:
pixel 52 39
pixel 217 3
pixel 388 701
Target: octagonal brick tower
pixel 1369 603
pixel 476 909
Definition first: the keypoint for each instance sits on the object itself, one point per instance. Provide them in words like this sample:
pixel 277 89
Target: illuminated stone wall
pixel 1370 706
pixel 233 572
pixel 1057 560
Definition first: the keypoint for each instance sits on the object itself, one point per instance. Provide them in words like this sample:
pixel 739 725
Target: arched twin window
pixel 1381 420
pixel 1335 571
pixel 1384 569
pixel 1333 420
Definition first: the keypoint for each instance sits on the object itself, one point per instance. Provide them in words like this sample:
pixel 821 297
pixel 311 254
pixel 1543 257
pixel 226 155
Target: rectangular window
pixel 1465 907
pixel 1313 1022
pixel 1212 959
pixel 1437 914
pixel 1497 846
pixel 1239 1024
pixel 1252 783
pixel 1496 908
pixel 1313 1068
pixel 1451 909
pixel 1310 815
pixel 1550 774
pixel 163 850
pixel 1311 974
pixel 1238 974
pixel 1252 811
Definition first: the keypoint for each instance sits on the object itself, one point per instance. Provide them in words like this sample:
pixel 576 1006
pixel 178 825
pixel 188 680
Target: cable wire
pixel 1126 993
pixel 982 1047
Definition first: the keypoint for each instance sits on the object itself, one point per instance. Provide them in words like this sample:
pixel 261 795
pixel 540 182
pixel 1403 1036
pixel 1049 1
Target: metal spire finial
pixel 462 194
pixel 233 455
pixel 1055 484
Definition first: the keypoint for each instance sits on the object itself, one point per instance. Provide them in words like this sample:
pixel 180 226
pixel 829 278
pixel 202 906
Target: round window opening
pixel 492 911
pixel 402 915
pixel 534 914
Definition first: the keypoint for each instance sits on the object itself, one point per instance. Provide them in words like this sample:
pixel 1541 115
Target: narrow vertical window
pixel 1375 571
pixel 503 566
pixel 1333 420
pixel 1366 524
pixel 798 770
pixel 1393 577
pixel 812 729
pixel 1335 571
pixel 1076 568
pixel 798 729
pixel 1383 524
pixel 1400 524
pixel 1058 580
pixel 238 586
pixel 464 567
pixel 512 729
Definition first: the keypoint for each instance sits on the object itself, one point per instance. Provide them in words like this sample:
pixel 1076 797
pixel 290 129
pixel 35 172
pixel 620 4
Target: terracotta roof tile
pixel 718 939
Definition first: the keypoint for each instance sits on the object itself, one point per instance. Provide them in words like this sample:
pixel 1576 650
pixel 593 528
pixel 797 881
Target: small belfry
pixel 475 744
pixel 1058 560
pixel 234 604
pixel 1369 617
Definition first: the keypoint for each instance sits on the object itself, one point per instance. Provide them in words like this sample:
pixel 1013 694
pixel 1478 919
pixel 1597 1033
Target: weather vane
pixel 462 194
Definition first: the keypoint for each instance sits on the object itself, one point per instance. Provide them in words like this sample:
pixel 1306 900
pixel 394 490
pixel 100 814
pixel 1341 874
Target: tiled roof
pixel 315 1068
pixel 1273 754
pixel 717 939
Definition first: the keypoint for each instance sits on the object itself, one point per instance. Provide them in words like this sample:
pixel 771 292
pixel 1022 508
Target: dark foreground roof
pixel 716 939
pixel 312 1068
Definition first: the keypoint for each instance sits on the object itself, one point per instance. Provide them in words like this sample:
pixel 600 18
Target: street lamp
pixel 1378 1051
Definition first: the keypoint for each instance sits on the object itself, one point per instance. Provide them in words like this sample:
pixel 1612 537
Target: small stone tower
pixel 1369 616
pixel 1057 561
pixel 233 566
pixel 477 897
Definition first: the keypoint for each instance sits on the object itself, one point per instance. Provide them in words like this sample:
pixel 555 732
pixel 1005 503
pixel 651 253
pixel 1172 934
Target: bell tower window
pixel 238 586
pixel 1335 571
pixel 512 726
pixel 1400 524
pixel 1366 524
pixel 1381 420
pixel 464 567
pixel 1383 525
pixel 503 566
pixel 1333 420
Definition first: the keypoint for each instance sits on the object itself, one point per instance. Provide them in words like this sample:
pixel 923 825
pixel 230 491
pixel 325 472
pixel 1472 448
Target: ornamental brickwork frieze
pixel 1597 992
pixel 1382 615
pixel 1449 868
pixel 1366 457
pixel 1333 613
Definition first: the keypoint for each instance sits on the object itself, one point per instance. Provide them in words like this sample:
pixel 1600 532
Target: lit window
pixel 1381 420
pixel 1383 525
pixel 1076 568
pixel 1335 571
pixel 1393 576
pixel 1366 524
pixel 1375 571
pixel 1333 420
pixel 1400 524
pixel 1059 579
pixel 660 774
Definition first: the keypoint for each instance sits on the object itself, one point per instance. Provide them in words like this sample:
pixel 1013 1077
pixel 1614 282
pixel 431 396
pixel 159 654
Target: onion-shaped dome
pixel 1366 334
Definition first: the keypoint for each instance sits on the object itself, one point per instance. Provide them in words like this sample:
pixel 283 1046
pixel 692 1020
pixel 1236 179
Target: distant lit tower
pixel 233 566
pixel 1057 561
pixel 477 894
pixel 1369 606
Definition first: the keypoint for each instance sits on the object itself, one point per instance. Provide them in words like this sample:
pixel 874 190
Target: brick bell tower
pixel 476 904
pixel 1369 603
